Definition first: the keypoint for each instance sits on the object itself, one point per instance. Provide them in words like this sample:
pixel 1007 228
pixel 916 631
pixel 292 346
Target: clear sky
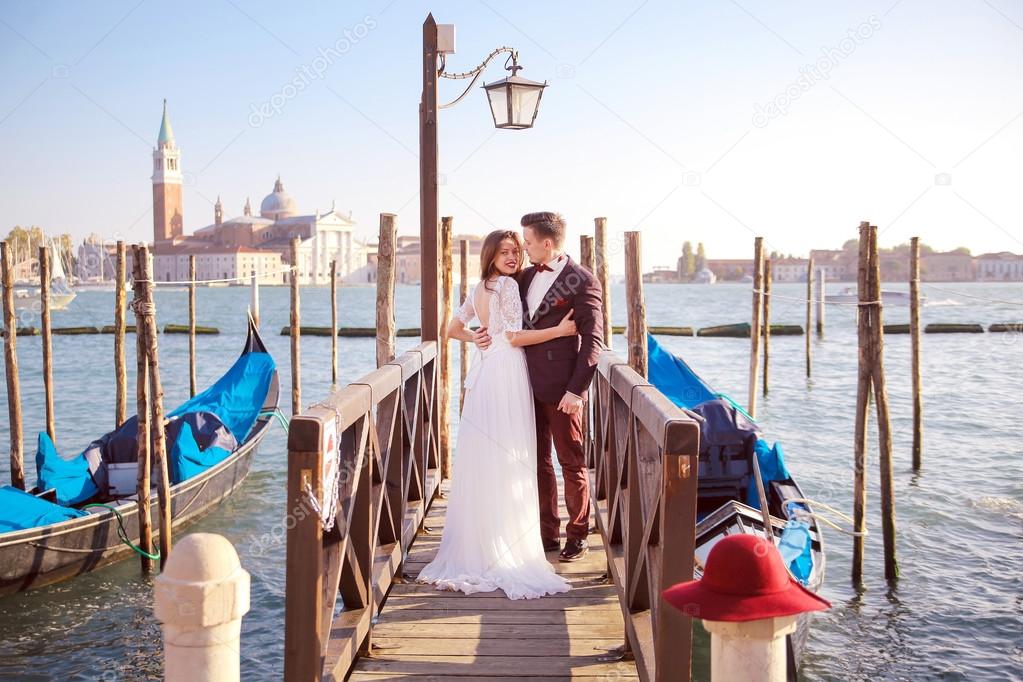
pixel 706 121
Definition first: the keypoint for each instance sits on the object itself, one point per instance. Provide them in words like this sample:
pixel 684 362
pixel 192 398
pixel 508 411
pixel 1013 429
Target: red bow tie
pixel 543 267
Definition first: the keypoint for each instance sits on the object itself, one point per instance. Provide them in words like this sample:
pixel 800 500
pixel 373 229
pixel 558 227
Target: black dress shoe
pixel 551 545
pixel 574 550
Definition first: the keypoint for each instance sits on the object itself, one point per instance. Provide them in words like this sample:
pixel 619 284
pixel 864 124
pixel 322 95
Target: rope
pixel 979 298
pixel 802 514
pixel 812 300
pixel 122 533
pixel 240 278
pixel 276 412
pixel 331 492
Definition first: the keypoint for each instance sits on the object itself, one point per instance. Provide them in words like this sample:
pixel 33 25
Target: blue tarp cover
pixel 22 510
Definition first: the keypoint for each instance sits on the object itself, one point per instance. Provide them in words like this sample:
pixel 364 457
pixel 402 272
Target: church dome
pixel 278 204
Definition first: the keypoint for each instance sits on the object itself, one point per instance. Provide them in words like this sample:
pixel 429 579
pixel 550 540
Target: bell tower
pixel 167 213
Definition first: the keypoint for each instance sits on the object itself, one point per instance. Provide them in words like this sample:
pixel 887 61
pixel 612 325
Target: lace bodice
pixel 504 307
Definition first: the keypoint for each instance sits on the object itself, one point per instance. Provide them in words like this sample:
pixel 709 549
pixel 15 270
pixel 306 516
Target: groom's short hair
pixel 547 225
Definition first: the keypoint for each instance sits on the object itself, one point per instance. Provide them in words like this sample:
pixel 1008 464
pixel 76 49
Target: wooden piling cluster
pixel 871 381
pixel 149 393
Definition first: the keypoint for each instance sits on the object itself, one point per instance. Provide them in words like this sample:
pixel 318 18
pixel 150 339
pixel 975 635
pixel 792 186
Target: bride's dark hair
pixel 491 247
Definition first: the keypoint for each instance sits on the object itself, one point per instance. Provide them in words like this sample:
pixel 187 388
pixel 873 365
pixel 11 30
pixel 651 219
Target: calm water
pixel 956 612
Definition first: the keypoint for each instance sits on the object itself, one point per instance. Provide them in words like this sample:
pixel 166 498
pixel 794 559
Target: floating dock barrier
pixel 953 328
pixel 183 329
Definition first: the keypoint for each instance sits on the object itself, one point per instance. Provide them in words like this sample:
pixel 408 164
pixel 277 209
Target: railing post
pixel 304 638
pixel 673 629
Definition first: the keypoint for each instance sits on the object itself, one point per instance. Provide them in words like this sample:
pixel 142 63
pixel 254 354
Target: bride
pixel 492 528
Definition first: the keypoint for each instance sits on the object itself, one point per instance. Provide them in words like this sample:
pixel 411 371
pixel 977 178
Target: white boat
pixel 888 296
pixel 61 293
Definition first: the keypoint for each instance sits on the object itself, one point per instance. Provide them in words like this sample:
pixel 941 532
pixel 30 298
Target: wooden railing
pixel 645 452
pixel 382 432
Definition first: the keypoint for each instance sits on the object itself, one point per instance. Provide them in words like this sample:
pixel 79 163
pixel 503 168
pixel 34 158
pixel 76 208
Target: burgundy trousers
pixel 567 434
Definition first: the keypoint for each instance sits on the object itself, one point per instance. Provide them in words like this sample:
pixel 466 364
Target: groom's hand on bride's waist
pixel 481 337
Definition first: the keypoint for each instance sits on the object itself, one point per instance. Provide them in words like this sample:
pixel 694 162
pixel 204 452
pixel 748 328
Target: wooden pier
pixel 358 538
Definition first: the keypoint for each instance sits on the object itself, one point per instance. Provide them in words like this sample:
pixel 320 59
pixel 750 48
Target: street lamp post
pixel 514 103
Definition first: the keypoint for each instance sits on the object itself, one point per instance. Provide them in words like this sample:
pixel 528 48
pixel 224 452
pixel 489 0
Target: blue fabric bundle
pixel 71 478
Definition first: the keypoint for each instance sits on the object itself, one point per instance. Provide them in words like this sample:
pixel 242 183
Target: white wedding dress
pixel 491 535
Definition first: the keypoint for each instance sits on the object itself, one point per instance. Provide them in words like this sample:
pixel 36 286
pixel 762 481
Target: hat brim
pixel 695 600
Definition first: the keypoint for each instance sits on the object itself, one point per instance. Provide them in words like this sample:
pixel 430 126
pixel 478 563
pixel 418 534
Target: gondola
pixel 98 535
pixel 728 496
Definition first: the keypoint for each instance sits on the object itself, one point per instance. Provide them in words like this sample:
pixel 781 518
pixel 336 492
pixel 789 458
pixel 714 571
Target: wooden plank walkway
pixel 426 633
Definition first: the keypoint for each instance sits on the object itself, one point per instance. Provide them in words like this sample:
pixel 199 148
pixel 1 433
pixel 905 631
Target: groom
pixel 560 371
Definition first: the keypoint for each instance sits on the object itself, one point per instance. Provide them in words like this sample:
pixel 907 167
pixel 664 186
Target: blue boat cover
pixel 69 477
pixel 22 510
pixel 237 397
pixel 674 378
pixel 188 459
pixel 195 442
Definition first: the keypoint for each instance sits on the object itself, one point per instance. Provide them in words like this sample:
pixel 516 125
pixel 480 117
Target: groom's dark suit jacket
pixel 566 363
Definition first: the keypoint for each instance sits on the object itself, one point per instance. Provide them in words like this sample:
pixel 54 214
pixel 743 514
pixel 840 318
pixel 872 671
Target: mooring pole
pixel 767 320
pixel 192 381
pixel 444 395
pixel 44 298
pixel 333 322
pixel 120 327
pixel 636 306
pixel 143 482
pixel 884 426
pixel 914 331
pixel 863 388
pixel 463 347
pixel 296 333
pixel 821 277
pixel 603 272
pixel 809 315
pixel 754 331
pixel 387 246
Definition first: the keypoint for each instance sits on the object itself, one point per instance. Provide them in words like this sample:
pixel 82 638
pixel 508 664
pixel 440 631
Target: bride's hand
pixel 567 325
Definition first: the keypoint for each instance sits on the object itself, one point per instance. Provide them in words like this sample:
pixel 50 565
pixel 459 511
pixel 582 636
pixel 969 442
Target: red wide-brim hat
pixel 745 579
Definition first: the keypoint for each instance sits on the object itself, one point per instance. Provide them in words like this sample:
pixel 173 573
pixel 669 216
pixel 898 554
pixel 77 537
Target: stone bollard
pixel 753 650
pixel 748 603
pixel 200 599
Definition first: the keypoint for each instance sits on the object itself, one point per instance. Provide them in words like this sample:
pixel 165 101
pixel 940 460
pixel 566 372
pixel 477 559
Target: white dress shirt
pixel 542 282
